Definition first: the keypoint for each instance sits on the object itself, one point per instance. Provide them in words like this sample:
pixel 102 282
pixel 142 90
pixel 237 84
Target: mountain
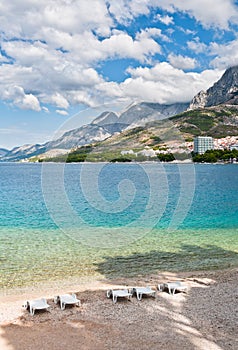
pixel 22 152
pixel 3 152
pixel 84 135
pixel 104 126
pixel 110 122
pixel 75 138
pixel 138 115
pixel 173 135
pixel 141 113
pixel 224 91
pixel 106 118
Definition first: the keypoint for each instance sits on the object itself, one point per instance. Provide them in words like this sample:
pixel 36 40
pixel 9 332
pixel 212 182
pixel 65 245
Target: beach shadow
pixel 49 336
pixel 188 258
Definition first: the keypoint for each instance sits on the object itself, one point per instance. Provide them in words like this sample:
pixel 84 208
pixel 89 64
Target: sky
pixel 60 57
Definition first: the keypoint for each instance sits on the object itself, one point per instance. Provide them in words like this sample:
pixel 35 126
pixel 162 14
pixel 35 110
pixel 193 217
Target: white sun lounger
pixel 38 304
pixel 66 299
pixel 118 293
pixel 143 290
pixel 173 286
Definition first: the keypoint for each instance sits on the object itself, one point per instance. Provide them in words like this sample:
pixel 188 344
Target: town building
pixel 234 147
pixel 201 144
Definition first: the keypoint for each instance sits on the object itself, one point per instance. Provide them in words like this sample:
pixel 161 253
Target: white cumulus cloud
pixel 226 54
pixel 52 50
pixel 22 99
pixel 182 62
pixel 60 101
pixel 162 83
pixel 210 13
pixel 197 46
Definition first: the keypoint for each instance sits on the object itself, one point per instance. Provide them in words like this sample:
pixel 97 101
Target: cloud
pixel 63 15
pixel 125 10
pixel 165 19
pixel 149 33
pixel 186 30
pixel 162 83
pixel 210 13
pixel 45 109
pixel 17 95
pixel 29 101
pixel 3 59
pixel 64 76
pixel 226 55
pixel 122 45
pixel 56 46
pixel 34 18
pixel 197 46
pixel 60 101
pixel 182 62
pixel 62 112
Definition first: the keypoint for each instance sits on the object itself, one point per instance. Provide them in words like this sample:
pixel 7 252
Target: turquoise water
pixel 115 219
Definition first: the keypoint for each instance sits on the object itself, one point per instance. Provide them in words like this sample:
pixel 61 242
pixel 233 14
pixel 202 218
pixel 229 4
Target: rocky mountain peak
pixel 199 101
pixel 141 113
pixel 224 91
pixel 106 118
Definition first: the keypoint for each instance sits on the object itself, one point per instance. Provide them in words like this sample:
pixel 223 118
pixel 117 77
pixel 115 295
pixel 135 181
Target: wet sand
pixel 204 318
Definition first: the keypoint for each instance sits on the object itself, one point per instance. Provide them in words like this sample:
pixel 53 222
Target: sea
pixel 109 220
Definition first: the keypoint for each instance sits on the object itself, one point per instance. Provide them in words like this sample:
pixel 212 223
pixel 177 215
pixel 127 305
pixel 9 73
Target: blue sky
pixel 59 57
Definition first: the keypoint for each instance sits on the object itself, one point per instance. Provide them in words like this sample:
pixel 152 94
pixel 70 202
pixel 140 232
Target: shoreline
pixel 176 161
pixel 97 282
pixel 207 309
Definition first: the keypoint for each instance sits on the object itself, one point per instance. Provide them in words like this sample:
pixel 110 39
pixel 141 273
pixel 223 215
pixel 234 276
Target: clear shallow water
pixel 165 217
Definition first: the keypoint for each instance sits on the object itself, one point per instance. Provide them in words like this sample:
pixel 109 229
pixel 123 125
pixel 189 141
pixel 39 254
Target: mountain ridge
pixel 171 136
pixel 3 152
pixel 223 92
pixel 101 128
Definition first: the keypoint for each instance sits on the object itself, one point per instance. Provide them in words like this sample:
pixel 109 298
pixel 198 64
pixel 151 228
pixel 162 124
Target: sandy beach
pixel 205 318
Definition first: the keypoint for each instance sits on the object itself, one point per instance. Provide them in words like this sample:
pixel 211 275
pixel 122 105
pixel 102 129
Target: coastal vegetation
pixel 213 156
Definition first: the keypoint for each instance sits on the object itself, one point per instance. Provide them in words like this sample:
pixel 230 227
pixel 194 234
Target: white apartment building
pixel 201 144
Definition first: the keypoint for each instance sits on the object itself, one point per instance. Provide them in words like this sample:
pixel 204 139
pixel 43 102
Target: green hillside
pixel 218 122
pixel 167 135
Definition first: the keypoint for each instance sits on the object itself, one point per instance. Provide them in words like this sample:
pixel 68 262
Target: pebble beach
pixel 205 317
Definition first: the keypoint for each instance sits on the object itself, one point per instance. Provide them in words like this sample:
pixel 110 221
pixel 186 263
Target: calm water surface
pixel 115 219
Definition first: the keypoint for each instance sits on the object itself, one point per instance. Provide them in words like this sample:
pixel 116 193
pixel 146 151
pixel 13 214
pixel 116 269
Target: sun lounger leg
pixel 160 287
pixel 139 296
pixel 32 311
pixel 114 299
